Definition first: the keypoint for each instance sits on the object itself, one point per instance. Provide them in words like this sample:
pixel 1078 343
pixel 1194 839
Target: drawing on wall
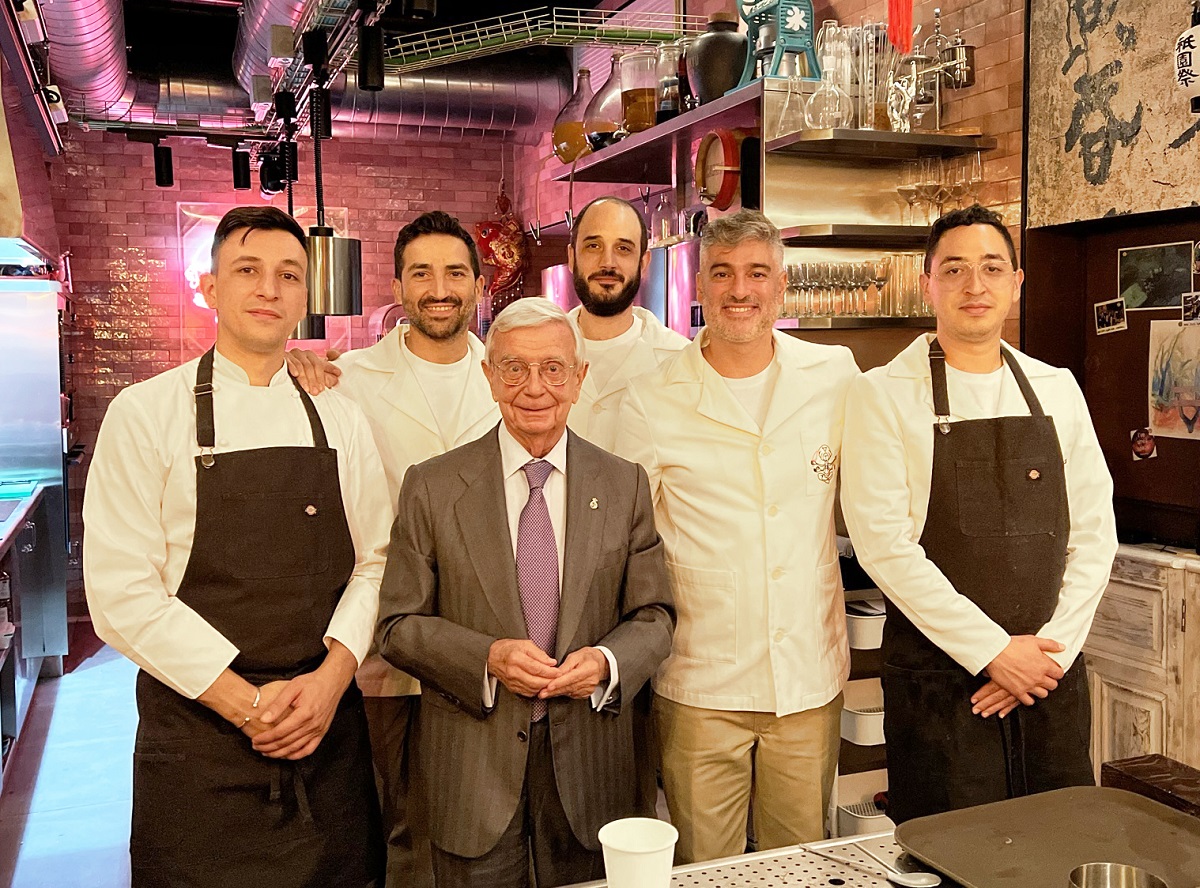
pixel 1141 442
pixel 1110 316
pixel 1174 379
pixel 1156 276
pixel 1191 308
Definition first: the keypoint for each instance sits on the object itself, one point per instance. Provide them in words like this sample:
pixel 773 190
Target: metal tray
pixel 1037 840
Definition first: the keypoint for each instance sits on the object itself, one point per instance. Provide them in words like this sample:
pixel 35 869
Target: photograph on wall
pixel 1155 276
pixel 1141 442
pixel 1174 379
pixel 1191 308
pixel 1110 316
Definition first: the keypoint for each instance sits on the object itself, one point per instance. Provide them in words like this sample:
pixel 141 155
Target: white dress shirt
pixel 139 513
pixel 887 466
pixel 513 457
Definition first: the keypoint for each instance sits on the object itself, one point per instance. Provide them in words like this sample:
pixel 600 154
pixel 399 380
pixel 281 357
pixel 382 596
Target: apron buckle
pixel 206 457
pixel 943 423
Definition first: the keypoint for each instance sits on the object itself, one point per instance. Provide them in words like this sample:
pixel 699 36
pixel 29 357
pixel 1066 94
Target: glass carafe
pixel 639 88
pixel 830 106
pixel 568 138
pixel 669 100
pixel 602 119
pixel 663 221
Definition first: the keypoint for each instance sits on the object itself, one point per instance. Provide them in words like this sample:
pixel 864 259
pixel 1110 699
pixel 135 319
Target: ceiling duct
pixel 87 54
pixel 252 50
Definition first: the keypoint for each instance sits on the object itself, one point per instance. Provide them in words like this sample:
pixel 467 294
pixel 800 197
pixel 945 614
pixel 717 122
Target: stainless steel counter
pixel 12 523
pixel 794 867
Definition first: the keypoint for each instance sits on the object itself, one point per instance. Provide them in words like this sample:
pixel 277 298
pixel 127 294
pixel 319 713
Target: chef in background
pixel 978 500
pixel 235 538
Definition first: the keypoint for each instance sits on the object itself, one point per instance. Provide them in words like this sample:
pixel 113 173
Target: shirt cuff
pixel 490 682
pixel 601 697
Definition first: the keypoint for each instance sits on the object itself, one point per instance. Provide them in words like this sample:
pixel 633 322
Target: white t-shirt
pixel 984 389
pixel 605 356
pixel 445 387
pixel 754 392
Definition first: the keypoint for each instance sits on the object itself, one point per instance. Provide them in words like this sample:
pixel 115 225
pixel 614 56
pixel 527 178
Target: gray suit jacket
pixel 450 590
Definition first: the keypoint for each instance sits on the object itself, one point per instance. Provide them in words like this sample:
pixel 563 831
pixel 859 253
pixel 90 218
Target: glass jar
pixel 568 138
pixel 602 118
pixel 687 96
pixel 639 88
pixel 668 98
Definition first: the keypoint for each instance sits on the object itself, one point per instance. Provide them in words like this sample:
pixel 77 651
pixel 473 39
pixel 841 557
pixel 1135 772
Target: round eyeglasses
pixel 514 371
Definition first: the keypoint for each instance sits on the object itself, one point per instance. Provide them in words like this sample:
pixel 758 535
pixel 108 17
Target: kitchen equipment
pixel 895 876
pixel 781 32
pixel 667 98
pixel 602 117
pixel 830 106
pixel 716 58
pixel 639 86
pixel 1040 839
pixel 1113 875
pixel 567 136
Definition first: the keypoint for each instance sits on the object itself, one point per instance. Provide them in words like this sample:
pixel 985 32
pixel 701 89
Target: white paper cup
pixel 638 852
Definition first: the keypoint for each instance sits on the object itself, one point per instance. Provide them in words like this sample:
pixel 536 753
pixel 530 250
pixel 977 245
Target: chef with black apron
pixel 235 538
pixel 978 499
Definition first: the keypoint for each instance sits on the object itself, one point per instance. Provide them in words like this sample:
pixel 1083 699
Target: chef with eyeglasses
pixel 978 499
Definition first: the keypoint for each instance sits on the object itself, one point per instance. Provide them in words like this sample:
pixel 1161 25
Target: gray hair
pixel 744 225
pixel 532 311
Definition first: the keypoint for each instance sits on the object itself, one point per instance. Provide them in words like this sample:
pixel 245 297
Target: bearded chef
pixel 235 538
pixel 978 499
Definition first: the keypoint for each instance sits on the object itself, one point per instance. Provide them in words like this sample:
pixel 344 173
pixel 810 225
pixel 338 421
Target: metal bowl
pixel 1113 875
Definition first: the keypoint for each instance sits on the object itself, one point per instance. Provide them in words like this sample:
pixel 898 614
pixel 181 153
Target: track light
pixel 241 170
pixel 271 176
pixel 370 49
pixel 421 10
pixel 164 172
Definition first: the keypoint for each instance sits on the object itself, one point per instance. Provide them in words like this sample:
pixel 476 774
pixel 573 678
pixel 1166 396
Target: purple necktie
pixel 537 567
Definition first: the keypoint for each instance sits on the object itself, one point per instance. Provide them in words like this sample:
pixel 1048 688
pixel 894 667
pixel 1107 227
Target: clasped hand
pixel 528 671
pixel 1020 674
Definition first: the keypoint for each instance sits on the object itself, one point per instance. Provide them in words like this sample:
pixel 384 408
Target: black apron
pixel 271 556
pixel 997 527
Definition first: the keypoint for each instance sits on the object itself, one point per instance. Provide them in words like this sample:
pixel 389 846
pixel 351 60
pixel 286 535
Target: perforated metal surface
pixel 793 867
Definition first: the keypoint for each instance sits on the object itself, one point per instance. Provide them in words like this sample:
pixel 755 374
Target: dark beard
pixel 610 306
pixel 441 333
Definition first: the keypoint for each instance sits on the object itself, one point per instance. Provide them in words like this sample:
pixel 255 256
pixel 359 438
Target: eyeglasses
pixel 957 274
pixel 514 371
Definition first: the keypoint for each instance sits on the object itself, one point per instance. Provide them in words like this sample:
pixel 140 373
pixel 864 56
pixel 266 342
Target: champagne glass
pixel 881 271
pixel 792 293
pixel 907 189
pixel 974 165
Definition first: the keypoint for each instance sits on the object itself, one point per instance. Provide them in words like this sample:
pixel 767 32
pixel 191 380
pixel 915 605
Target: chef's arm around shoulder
pixel 446 657
pixel 875 502
pixel 124 554
pixel 1092 544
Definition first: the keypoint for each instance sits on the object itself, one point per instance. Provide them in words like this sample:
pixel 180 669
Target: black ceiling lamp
pixel 422 10
pixel 271 175
pixel 334 263
pixel 370 49
pixel 164 170
pixel 241 170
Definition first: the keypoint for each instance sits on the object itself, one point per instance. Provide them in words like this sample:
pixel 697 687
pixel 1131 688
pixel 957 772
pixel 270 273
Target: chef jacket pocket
pixel 274 535
pixel 1012 497
pixel 706 610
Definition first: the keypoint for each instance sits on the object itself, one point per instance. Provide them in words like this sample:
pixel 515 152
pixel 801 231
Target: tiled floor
pixel 64 812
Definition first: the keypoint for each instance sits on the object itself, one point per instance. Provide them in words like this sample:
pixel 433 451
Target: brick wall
pixel 122 232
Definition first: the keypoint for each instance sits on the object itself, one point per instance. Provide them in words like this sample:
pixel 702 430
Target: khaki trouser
pixel 711 759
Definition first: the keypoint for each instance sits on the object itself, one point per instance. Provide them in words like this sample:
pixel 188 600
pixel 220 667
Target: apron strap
pixel 206 433
pixel 941 397
pixel 1031 399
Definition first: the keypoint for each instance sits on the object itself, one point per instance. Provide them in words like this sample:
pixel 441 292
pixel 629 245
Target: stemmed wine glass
pixel 791 296
pixel 958 181
pixel 930 185
pixel 974 166
pixel 907 189
pixel 881 271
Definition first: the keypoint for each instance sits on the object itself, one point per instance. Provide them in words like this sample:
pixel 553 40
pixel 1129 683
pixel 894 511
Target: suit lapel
pixel 582 546
pixel 478 511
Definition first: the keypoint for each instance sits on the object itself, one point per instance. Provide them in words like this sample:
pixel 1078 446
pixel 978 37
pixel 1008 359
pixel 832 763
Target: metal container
pixel 959 58
pixel 1113 875
pixel 334 273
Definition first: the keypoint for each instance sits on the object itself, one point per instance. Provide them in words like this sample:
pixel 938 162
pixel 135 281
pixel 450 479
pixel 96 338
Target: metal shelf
pixel 881 144
pixel 854 323
pixel 648 157
pixel 836 234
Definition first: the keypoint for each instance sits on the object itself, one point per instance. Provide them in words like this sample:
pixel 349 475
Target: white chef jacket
pixel 139 513
pixel 888 464
pixel 381 380
pixel 594 415
pixel 746 516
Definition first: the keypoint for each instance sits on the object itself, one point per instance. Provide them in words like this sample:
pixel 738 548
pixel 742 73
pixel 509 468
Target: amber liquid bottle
pixel 568 138
pixel 602 119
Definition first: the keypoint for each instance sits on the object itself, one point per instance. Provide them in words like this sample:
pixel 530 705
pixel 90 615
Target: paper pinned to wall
pixel 11 223
pixel 1174 374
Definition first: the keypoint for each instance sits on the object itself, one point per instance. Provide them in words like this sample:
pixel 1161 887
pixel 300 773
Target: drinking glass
pixel 881 270
pixel 791 296
pixel 974 165
pixel 930 179
pixel 907 189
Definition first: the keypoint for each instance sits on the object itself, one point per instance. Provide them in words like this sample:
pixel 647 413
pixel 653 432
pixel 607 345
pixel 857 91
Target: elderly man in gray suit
pixel 526 588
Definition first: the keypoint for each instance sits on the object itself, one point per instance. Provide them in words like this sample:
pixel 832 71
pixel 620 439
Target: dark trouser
pixel 408 857
pixel 539 830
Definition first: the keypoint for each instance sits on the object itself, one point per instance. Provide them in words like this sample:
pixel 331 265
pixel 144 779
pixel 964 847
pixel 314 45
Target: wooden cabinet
pixel 1143 655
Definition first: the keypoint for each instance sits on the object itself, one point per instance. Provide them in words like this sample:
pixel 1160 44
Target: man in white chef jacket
pixel 423 390
pixel 978 499
pixel 235 538
pixel 740 435
pixel 608 255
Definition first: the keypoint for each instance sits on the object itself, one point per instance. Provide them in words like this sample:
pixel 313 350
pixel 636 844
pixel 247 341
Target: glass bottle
pixel 602 118
pixel 663 220
pixel 687 98
pixel 568 138
pixel 638 89
pixel 669 97
pixel 830 106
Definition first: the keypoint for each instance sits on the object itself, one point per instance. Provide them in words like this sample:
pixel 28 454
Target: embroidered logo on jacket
pixel 824 463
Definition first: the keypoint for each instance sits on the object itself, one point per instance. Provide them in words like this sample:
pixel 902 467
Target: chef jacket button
pixel 522 736
pixel 777 573
pixel 772 511
pixel 597 408
pixel 224 442
pixel 778 635
pixel 766 450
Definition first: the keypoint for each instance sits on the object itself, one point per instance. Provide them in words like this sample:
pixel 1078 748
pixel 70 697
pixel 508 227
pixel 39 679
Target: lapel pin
pixel 1034 474
pixel 310 510
pixel 594 504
